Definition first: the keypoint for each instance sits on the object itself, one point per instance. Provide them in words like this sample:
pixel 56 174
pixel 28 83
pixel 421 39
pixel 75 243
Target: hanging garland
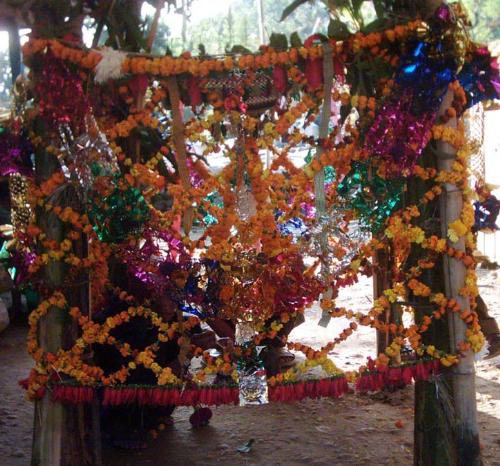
pixel 242 267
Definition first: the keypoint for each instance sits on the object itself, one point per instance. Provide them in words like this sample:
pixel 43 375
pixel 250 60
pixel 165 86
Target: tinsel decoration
pixel 15 153
pixel 252 378
pixel 62 100
pixel 486 214
pixel 402 128
pixel 87 156
pixel 480 77
pixel 20 208
pixel 370 196
pixel 122 211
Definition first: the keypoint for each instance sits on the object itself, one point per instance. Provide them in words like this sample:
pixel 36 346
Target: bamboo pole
pixel 381 282
pixel 180 147
pixel 154 25
pixel 58 432
pixel 319 177
pixel 463 374
pixel 260 15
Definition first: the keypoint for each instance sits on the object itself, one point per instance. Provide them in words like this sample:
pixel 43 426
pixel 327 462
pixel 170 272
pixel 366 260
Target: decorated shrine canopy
pixel 235 191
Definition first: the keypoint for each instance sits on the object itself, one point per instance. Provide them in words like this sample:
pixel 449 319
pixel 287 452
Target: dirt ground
pixel 356 430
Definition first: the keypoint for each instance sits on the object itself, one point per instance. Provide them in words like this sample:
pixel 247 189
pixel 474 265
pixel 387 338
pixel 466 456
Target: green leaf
pixel 240 49
pixel 291 8
pixel 338 30
pixel 295 40
pixel 278 41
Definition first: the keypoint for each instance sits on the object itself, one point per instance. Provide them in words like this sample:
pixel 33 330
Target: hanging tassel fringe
pixel 372 381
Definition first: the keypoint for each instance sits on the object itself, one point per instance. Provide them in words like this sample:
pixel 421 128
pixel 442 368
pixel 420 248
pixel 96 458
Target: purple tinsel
pixel 15 154
pixel 398 134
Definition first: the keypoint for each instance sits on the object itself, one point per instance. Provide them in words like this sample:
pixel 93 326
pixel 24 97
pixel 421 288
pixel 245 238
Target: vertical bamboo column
pixel 381 282
pixel 59 430
pixel 319 177
pixel 260 15
pixel 180 147
pixel 463 374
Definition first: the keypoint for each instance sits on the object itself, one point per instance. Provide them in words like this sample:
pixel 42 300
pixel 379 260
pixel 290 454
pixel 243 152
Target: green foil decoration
pixel 120 214
pixel 372 198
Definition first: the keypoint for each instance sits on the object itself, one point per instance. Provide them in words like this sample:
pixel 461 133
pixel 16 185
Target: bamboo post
pixel 14 49
pixel 180 147
pixel 319 177
pixel 434 436
pixel 381 282
pixel 58 432
pixel 463 374
pixel 154 25
pixel 260 15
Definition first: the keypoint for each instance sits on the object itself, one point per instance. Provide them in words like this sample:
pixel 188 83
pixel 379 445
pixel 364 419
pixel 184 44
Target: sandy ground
pixel 356 430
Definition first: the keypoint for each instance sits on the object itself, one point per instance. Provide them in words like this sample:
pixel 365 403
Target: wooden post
pixel 14 48
pixel 381 282
pixel 180 147
pixel 319 177
pixel 463 374
pixel 260 15
pixel 59 430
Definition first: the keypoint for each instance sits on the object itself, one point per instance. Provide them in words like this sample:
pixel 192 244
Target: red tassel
pixel 343 386
pixel 235 395
pixel 334 388
pixel 174 396
pixel 361 385
pixel 379 382
pixel 226 395
pixel 314 67
pixel 314 73
pixel 194 91
pixel 157 395
pixel 141 396
pixel 203 396
pixel 87 394
pixel 162 396
pixel 40 393
pixel 281 393
pixel 421 372
pixel 131 395
pixel 280 79
pixel 406 376
pixel 393 376
pixel 105 397
pixel 186 398
pixel 138 85
pixel 213 395
pixel 299 391
pixel 79 393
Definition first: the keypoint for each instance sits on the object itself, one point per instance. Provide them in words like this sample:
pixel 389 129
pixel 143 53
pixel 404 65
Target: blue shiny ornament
pixel 486 214
pixel 480 78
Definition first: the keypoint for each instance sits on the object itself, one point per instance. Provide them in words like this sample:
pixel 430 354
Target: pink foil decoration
pixel 399 135
pixel 62 99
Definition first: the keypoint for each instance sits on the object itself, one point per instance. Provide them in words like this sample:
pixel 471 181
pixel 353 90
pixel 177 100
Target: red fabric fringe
pixel 73 395
pixel 284 393
pixel 397 376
